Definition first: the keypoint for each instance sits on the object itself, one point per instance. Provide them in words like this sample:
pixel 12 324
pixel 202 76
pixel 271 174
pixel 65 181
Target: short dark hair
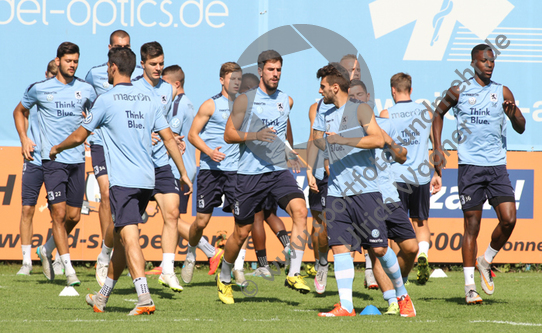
pixel 479 47
pixel 124 58
pixel 229 67
pixel 269 55
pixel 151 50
pixel 176 72
pixel 402 82
pixel 66 48
pixel 119 34
pixel 335 73
pixel 250 76
pixel 52 67
pixel 360 83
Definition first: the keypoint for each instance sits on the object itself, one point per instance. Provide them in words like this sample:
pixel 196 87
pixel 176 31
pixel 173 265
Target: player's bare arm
pixel 233 133
pixel 75 139
pixel 310 145
pixel 205 112
pixel 449 101
pixel 20 116
pixel 399 152
pixel 171 146
pixel 374 137
pixel 512 111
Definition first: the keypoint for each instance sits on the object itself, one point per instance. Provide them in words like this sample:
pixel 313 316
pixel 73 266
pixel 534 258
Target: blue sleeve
pixel 160 121
pixel 319 122
pixel 96 116
pixel 90 78
pixel 30 97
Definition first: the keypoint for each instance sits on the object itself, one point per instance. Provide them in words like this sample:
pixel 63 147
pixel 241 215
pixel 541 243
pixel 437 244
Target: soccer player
pixel 248 81
pixel 61 102
pixel 397 222
pixel 218 162
pixel 32 180
pixel 352 134
pixel 181 118
pixel 97 77
pixel 166 190
pixel 351 64
pixel 258 123
pixel 127 116
pixel 413 178
pixel 481 107
pixel 317 178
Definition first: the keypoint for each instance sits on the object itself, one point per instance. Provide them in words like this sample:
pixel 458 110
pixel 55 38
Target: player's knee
pixel 299 213
pixel 380 251
pixel 508 223
pixel 28 212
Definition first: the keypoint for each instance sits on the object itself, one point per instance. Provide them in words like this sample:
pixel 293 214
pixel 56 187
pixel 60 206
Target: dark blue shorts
pixel 128 204
pixel 270 205
pixel 98 160
pixel 183 200
pixel 479 183
pixel 64 182
pixel 212 185
pixel 164 181
pixel 317 201
pixel 415 199
pixel 252 191
pixel 353 221
pixel 32 182
pixel 398 223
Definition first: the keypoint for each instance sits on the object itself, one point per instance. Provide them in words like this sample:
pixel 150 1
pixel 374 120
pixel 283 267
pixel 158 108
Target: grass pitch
pixel 32 304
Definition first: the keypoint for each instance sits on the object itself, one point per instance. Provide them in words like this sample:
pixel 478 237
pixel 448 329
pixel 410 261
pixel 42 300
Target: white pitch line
pixel 505 322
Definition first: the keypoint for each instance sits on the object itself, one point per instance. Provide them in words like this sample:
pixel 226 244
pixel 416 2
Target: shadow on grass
pixel 264 300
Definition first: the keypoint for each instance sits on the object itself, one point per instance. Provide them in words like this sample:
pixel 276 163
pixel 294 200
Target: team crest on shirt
pixel 259 109
pixel 224 115
pixel 106 85
pixel 78 95
pixel 88 118
pixel 175 123
pixel 50 97
pixel 280 107
pixel 472 100
pixel 164 99
pixel 493 97
pixel 375 233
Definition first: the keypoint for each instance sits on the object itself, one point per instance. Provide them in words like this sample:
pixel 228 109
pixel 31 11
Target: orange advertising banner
pixel 446 222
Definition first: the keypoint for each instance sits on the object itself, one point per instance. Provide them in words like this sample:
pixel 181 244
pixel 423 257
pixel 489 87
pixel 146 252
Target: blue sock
pixel 392 269
pixel 390 296
pixel 344 274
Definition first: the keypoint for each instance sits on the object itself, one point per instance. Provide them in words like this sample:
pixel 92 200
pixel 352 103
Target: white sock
pixel 240 261
pixel 141 286
pixel 207 248
pixel 26 254
pixel 66 261
pixel 424 248
pixel 490 254
pixel 168 261
pixel 191 253
pixel 225 272
pixel 368 262
pixel 108 286
pixel 50 245
pixel 469 275
pixel 105 256
pixel 296 259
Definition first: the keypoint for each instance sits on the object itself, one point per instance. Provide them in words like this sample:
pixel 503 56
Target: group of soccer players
pixel 366 174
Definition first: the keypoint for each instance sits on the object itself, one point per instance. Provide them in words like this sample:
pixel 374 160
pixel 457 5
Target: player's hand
pixel 312 182
pixel 87 145
pixel 436 184
pixel 295 163
pixel 216 155
pixel 186 181
pixel 333 138
pixel 27 148
pixel 266 135
pixel 155 138
pixel 180 143
pixel 54 151
pixel 509 108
